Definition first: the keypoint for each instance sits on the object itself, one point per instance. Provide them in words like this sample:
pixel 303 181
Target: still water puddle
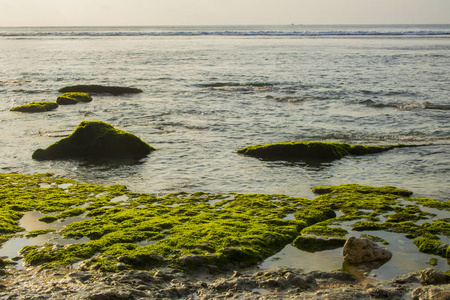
pixel 29 222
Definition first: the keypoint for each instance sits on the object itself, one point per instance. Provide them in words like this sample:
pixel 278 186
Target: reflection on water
pixel 30 222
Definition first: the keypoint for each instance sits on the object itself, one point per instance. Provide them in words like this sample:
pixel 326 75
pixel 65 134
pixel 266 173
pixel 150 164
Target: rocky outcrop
pixel 279 283
pixel 100 89
pixel 359 250
pixel 310 151
pixel 73 98
pixel 36 107
pixel 96 140
pixel 433 276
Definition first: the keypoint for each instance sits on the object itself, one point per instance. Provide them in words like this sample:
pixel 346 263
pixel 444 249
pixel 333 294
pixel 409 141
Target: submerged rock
pixel 100 89
pixel 73 98
pixel 302 150
pixel 36 107
pixel 358 250
pixel 97 140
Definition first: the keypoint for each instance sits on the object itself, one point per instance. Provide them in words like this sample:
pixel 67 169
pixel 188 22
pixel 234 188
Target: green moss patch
pixel 73 98
pixel 304 150
pixel 192 230
pixel 36 107
pixel 38 232
pixel 96 140
pixel 315 244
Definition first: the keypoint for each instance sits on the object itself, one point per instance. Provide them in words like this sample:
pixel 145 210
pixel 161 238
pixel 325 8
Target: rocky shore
pixel 281 283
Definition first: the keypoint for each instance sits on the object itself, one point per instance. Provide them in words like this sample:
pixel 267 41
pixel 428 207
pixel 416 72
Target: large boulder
pixel 73 98
pixel 304 150
pixel 100 89
pixel 97 140
pixel 359 250
pixel 35 107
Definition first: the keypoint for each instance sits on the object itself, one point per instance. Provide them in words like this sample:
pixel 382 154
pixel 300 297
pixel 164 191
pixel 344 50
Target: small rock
pixel 433 276
pixel 358 250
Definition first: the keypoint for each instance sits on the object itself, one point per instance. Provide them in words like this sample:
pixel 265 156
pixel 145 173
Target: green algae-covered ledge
pixel 96 140
pixel 198 229
pixel 305 150
pixel 73 98
pixel 35 107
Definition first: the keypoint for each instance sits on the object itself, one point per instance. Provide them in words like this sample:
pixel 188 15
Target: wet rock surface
pixel 100 89
pixel 359 250
pixel 279 283
pixel 96 139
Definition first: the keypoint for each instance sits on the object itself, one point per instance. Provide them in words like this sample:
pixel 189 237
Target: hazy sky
pixel 221 12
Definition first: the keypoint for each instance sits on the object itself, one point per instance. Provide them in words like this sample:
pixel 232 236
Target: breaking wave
pixel 279 33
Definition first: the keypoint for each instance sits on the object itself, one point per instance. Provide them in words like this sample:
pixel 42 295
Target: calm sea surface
pixel 211 90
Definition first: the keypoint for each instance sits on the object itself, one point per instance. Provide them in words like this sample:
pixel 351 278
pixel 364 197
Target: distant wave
pixel 409 106
pixel 224 33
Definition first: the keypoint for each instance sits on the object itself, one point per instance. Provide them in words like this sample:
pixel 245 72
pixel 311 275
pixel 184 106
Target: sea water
pixel 209 91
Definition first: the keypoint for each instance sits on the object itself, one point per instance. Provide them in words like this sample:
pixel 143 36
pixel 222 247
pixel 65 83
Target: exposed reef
pixel 96 140
pixel 123 230
pixel 100 89
pixel 310 151
pixel 73 98
pixel 35 107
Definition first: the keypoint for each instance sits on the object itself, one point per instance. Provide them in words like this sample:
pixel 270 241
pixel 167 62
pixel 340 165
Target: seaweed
pixel 35 107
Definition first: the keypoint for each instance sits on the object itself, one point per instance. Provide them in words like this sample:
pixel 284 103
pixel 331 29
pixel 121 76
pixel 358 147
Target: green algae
pixel 432 261
pixel 432 246
pixel 308 150
pixel 374 238
pixel 191 230
pixel 323 230
pixel 315 244
pixel 35 107
pixel 96 140
pixel 73 98
pixel 35 233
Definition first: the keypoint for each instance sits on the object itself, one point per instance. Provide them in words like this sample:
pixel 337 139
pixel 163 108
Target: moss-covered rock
pixel 100 89
pixel 96 140
pixel 36 107
pixel 432 246
pixel 73 98
pixel 310 151
pixel 314 244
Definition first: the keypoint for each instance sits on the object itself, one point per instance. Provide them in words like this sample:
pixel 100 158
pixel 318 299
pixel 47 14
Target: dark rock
pixel 36 107
pixel 335 276
pixel 407 278
pixel 96 140
pixel 100 89
pixel 433 276
pixel 390 293
pixel 112 294
pixel 73 98
pixel 310 151
pixel 196 261
pixel 314 243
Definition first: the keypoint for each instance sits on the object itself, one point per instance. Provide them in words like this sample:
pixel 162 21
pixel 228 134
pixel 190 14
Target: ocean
pixel 210 90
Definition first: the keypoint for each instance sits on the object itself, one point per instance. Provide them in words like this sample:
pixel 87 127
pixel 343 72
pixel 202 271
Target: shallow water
pixel 210 91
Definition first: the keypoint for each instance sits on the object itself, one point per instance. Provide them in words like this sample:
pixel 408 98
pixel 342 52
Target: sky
pixel 220 12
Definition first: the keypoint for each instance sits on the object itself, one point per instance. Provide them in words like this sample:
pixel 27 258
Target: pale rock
pixel 358 250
